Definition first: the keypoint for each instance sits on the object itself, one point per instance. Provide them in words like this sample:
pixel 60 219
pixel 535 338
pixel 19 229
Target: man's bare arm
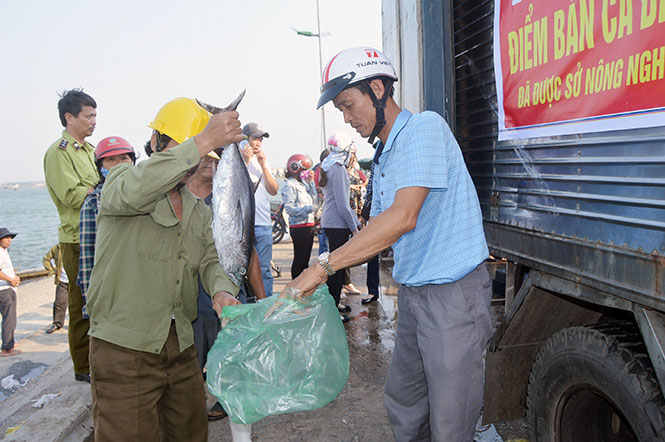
pixel 381 233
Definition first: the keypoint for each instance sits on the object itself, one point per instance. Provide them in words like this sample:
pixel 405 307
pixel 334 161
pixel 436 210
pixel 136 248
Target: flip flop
pixel 11 352
pixel 216 412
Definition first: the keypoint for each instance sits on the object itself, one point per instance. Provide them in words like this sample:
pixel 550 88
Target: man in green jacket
pixel 53 264
pixel 154 240
pixel 71 174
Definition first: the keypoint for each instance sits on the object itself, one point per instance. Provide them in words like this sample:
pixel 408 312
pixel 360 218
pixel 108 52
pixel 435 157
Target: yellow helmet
pixel 180 119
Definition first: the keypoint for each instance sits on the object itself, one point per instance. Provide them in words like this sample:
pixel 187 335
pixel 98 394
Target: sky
pixel 134 56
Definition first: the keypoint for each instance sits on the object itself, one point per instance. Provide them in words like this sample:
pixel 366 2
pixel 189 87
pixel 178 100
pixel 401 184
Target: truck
pixel 577 221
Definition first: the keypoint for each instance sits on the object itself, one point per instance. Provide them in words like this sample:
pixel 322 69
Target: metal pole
pixel 323 115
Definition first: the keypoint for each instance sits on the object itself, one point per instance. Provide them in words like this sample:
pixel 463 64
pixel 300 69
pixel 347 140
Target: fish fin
pixel 234 104
pixel 215 110
pixel 209 107
pixel 239 221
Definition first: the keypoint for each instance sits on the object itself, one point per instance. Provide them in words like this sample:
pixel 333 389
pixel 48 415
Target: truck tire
pixel 595 384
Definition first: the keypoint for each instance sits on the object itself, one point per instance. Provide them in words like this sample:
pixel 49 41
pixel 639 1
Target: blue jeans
pixel 323 242
pixel 263 244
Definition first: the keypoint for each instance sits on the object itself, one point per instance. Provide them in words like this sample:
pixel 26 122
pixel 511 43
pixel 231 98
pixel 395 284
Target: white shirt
pixel 261 196
pixel 6 267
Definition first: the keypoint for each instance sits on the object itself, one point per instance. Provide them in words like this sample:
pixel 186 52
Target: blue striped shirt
pixel 448 241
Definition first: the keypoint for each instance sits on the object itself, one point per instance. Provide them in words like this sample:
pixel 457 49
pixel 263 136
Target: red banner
pixel 579 65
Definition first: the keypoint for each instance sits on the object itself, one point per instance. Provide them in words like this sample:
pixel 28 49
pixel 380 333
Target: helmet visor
pixel 333 87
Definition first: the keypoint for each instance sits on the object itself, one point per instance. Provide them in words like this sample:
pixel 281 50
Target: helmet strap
pixel 379 105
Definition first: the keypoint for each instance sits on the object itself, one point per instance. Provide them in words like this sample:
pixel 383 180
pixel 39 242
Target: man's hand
pixel 260 156
pixel 222 130
pixel 308 280
pixel 247 152
pixel 15 281
pixel 221 300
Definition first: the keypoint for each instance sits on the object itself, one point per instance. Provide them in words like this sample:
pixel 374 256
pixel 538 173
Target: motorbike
pixel 278 223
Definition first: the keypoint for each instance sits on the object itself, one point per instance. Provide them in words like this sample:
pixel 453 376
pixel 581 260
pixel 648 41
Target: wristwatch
pixel 323 262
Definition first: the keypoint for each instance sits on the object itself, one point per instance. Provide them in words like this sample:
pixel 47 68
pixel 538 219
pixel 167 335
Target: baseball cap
pixel 252 130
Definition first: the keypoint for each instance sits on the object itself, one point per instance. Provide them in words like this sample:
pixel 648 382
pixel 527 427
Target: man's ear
pixel 377 87
pixel 153 141
pixel 69 117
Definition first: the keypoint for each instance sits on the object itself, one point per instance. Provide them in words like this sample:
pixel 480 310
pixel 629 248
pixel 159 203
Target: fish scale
pixel 232 208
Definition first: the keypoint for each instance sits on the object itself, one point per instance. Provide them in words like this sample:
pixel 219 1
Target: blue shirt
pixel 448 241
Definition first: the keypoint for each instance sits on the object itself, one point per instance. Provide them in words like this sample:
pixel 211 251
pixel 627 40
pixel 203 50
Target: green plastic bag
pixel 297 359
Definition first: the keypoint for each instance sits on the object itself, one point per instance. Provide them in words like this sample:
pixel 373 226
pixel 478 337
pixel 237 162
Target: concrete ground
pixel 357 414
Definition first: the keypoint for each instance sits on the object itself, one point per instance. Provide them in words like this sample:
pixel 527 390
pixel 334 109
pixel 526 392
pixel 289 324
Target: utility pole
pixel 318 35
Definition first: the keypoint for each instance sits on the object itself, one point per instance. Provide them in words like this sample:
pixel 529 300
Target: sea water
pixel 30 213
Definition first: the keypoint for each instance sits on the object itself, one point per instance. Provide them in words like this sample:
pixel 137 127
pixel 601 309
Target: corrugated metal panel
pixel 606 191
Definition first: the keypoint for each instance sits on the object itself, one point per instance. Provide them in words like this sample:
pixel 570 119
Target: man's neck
pixel 199 186
pixel 76 137
pixel 391 112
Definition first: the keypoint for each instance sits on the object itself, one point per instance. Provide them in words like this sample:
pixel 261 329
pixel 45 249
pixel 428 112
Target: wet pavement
pixel 357 414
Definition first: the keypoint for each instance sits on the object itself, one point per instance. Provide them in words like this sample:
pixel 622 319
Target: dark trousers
pixel 303 238
pixel 206 328
pixel 8 312
pixel 60 304
pixel 78 326
pixel 373 276
pixel 337 238
pixel 147 397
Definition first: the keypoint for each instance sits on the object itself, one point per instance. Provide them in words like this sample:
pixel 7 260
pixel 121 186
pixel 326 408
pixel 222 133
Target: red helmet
pixel 111 146
pixel 297 163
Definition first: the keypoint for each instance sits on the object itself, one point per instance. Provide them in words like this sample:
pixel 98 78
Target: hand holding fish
pixel 221 300
pixel 222 129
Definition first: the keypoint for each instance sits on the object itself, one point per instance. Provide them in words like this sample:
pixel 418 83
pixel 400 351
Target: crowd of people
pixel 328 197
pixel 145 288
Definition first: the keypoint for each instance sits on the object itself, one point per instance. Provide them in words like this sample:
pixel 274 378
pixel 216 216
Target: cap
pixel 252 130
pixel 5 232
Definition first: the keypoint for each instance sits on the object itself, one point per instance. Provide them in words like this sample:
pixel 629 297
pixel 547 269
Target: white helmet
pixel 340 142
pixel 357 66
pixel 352 66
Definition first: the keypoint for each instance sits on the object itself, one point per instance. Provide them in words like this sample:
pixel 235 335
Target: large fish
pixel 232 207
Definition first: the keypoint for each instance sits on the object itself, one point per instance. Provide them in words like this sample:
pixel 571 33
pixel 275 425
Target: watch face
pixel 324 256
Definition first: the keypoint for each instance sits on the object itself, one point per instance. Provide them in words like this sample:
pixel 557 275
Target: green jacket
pixel 70 170
pixel 53 256
pixel 147 262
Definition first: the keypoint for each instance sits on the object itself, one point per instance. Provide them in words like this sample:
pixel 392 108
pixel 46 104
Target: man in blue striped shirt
pixel 424 204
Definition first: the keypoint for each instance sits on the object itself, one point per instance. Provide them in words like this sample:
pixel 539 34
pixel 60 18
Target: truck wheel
pixel 595 384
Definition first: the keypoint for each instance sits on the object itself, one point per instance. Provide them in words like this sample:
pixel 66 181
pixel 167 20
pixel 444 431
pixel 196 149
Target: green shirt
pixel 147 261
pixel 70 170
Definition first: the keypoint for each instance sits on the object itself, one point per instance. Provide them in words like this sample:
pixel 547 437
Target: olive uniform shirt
pixel 69 168
pixel 146 260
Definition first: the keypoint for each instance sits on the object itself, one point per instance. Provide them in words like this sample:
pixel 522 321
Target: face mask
pixel 104 171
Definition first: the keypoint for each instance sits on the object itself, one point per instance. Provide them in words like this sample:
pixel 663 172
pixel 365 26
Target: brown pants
pixel 144 397
pixel 78 325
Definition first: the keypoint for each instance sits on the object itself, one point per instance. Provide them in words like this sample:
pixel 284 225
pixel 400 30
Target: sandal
pixel 216 412
pixel 350 289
